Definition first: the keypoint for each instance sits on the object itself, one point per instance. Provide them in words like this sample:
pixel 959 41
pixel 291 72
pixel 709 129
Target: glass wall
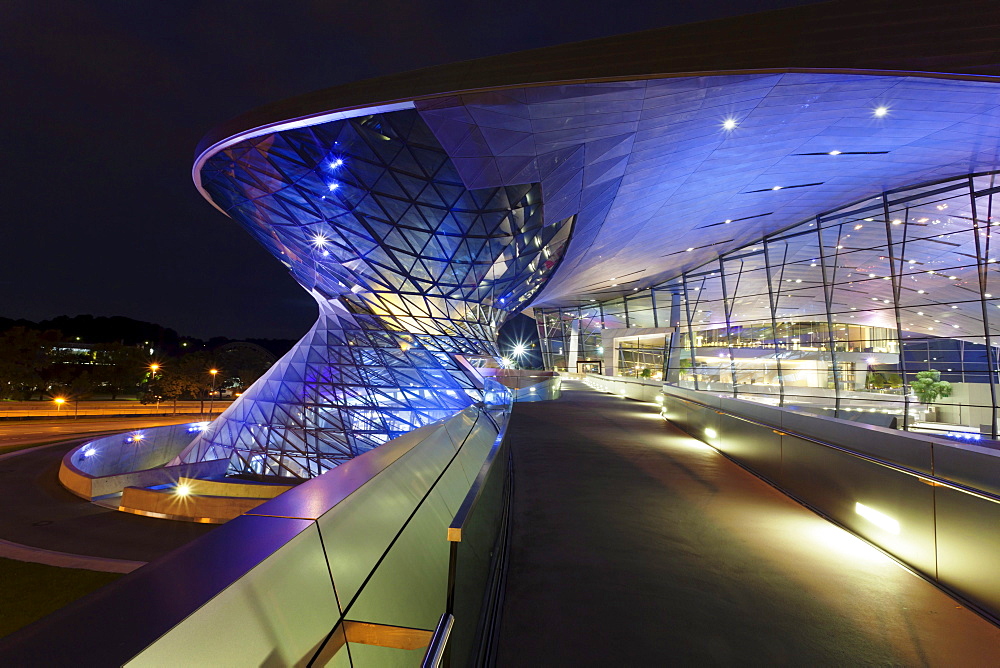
pixel 885 311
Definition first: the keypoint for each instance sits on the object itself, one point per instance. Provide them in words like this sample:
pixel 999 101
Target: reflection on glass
pixel 838 313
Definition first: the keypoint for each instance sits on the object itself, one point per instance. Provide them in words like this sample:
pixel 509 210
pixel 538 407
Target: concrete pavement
pixel 634 544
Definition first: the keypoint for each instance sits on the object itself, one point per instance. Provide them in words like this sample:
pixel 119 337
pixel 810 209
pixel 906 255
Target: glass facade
pixel 836 314
pixel 413 273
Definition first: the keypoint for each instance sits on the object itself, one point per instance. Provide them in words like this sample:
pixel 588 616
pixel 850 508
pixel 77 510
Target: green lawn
pixel 31 591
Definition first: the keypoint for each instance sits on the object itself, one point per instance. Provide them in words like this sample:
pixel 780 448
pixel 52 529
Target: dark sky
pixel 102 104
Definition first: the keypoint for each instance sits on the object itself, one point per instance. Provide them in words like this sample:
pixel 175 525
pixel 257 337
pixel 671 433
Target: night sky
pixel 103 103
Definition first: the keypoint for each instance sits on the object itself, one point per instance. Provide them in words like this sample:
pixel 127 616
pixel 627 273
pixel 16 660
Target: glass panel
pixel 849 313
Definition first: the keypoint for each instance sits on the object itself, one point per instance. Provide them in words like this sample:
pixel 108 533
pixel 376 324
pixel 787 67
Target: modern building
pixel 769 222
pixel 792 207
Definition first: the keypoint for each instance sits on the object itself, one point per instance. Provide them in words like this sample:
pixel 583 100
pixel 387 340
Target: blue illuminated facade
pixel 421 224
pixel 413 272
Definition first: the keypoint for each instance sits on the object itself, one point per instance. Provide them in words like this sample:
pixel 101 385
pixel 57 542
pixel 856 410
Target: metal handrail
pixel 923 477
pixel 439 641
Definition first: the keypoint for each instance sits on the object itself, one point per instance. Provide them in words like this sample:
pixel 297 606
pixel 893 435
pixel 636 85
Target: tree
pixel 184 376
pixel 243 363
pixel 120 368
pixel 929 387
pixel 22 360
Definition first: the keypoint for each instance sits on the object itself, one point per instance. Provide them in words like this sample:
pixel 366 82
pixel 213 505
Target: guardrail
pixel 109 464
pixel 639 389
pixel 932 504
pixel 353 560
pixel 546 390
pixel 466 633
pixel 28 410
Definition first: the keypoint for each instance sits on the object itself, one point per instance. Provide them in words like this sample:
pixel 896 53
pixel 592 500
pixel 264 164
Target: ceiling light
pixel 881 111
pixel 834 153
pixel 776 188
pixel 690 249
pixel 897 222
pixel 729 124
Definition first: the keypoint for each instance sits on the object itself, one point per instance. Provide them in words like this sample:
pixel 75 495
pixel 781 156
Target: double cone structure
pixel 413 273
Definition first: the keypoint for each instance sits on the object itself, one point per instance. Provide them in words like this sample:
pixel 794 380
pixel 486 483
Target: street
pixel 14 433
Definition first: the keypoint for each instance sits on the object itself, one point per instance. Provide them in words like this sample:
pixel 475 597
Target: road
pixel 39 513
pixel 102 408
pixel 18 433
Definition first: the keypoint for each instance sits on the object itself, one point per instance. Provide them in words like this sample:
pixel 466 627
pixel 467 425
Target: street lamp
pixel 211 397
pixel 59 401
pixel 154 367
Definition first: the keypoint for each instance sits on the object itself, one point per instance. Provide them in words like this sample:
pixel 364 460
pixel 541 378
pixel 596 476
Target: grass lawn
pixel 30 591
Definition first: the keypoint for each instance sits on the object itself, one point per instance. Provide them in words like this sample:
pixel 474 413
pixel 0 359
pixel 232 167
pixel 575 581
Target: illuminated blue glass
pixel 412 272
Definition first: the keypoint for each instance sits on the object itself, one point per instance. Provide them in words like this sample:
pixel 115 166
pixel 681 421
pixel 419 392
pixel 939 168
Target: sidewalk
pixel 634 544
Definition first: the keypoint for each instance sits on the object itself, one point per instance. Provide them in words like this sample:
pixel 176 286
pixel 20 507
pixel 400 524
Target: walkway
pixel 635 545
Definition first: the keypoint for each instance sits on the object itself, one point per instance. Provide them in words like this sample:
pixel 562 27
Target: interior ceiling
pixel 653 174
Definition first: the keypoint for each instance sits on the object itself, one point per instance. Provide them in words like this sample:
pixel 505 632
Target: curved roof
pixel 928 36
pixel 627 132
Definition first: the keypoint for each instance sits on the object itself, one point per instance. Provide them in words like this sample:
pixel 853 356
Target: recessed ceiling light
pixel 729 124
pixel 881 111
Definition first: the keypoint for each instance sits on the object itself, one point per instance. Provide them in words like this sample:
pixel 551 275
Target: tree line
pixel 40 364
